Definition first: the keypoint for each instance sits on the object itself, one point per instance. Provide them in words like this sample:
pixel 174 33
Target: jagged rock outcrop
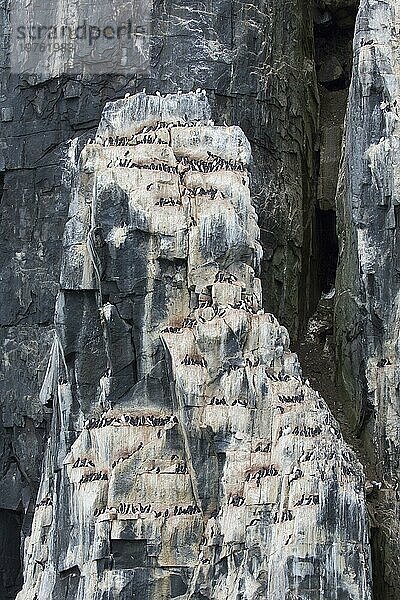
pixel 256 63
pixel 367 307
pixel 187 457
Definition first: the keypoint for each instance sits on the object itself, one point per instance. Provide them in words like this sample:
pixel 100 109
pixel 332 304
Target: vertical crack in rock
pixel 334 23
pixel 187 456
pixel 367 306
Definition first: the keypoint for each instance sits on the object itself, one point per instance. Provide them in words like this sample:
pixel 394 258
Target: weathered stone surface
pixel 259 67
pixel 187 458
pixel 367 307
pixel 255 60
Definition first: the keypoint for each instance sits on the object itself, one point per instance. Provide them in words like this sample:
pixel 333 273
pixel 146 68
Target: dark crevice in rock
pixel 378 567
pixel 327 248
pixel 333 38
pixel 341 83
pixel 11 571
pixel 316 348
pixel 333 35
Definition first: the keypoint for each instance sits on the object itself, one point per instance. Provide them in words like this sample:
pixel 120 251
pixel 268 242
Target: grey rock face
pixel 187 457
pixel 367 309
pixel 258 72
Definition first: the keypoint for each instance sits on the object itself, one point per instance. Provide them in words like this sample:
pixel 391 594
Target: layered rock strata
pixel 256 62
pixel 367 307
pixel 187 457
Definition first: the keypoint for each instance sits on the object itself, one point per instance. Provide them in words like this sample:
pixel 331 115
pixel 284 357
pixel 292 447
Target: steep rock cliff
pixel 367 305
pixel 187 457
pixel 255 61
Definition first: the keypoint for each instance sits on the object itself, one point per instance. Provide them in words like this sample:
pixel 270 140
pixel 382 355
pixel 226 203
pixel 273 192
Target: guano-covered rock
pixel 188 458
